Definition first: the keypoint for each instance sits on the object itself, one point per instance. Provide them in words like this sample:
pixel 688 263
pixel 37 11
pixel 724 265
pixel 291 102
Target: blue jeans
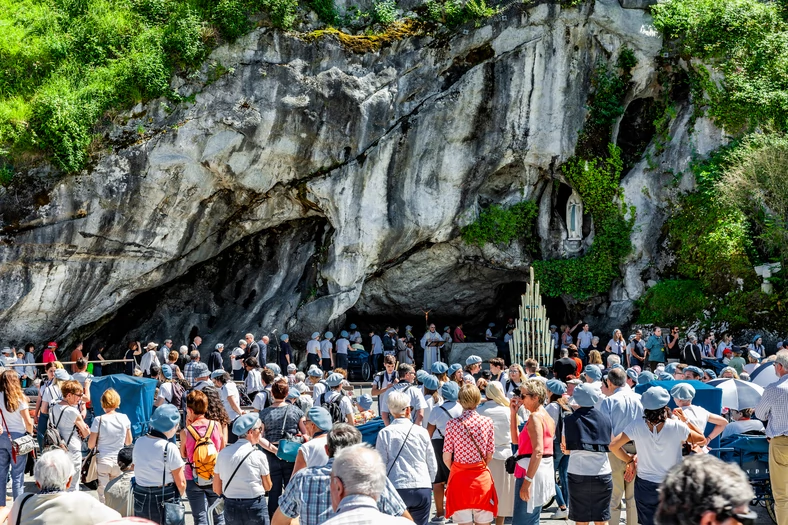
pixel 646 500
pixel 197 497
pixel 418 502
pixel 561 464
pixel 17 469
pixel 520 515
pixel 148 501
pixel 42 428
pixel 280 477
pixel 246 511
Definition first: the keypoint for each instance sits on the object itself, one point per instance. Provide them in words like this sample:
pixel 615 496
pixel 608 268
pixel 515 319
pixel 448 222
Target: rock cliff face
pixel 310 180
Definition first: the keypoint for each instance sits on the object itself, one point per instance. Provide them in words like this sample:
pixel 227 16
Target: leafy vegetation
pixel 384 12
pixel 453 13
pixel 500 225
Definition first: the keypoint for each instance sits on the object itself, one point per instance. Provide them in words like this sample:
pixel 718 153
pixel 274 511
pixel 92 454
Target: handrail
pixel 70 362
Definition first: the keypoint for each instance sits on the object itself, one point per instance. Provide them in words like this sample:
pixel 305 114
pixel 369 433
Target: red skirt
pixel 470 486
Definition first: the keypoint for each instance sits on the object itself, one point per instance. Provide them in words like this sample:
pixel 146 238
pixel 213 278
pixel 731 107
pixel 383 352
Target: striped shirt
pixel 773 407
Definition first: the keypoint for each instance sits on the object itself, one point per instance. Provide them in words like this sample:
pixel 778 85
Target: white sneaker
pixel 560 514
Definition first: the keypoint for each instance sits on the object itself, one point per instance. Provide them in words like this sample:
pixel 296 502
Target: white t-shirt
pixel 617 348
pixel 149 461
pixel 149 359
pixel 230 390
pixel 345 405
pixel 500 416
pixel 314 451
pixel 439 417
pixel 253 382
pixel 113 434
pixel 584 338
pixel 65 417
pixel 697 415
pixel 52 395
pixel 325 348
pixel 342 345
pixel 585 463
pixel 238 362
pixel 165 392
pixel 247 482
pixel 258 403
pixel 317 390
pixel 82 378
pixel 657 452
pixel 313 346
pixel 740 427
pixel 14 419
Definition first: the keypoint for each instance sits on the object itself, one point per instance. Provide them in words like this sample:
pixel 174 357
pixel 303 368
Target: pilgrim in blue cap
pixel 671 368
pixel 314 372
pixel 632 374
pixel 420 375
pixel 585 395
pixel 593 372
pixel 352 326
pixel 166 418
pixel 166 371
pixel 454 368
pixel 245 423
pixel 365 401
pixel 315 335
pixel 320 417
pixel 273 367
pixel 473 360
pixel 645 377
pixel 655 398
pixel 450 391
pixel 664 376
pixel 284 337
pixel 328 335
pixel 695 370
pixel 343 333
pixel 431 382
pixel 683 391
pixel 334 380
pixel 556 387
pixel 439 368
pixel 711 373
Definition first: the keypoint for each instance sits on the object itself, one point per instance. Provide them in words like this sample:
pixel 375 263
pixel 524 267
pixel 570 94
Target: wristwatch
pixel 529 480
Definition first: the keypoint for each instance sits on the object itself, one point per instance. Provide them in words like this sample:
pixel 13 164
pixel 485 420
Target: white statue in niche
pixel 574 217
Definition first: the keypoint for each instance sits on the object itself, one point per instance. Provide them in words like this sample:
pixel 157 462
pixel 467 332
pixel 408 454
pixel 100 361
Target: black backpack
pixel 333 407
pixel 177 394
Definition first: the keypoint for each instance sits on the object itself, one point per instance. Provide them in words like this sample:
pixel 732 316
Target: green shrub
pixel 183 38
pixel 325 11
pixel 499 225
pixel 282 12
pixel 231 18
pixel 384 12
pixel 673 301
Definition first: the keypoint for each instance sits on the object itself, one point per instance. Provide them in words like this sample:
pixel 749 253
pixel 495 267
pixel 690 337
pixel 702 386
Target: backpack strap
pixel 21 505
pixel 224 489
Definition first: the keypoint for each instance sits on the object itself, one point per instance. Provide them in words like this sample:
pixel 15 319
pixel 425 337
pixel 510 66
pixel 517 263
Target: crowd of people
pixel 478 441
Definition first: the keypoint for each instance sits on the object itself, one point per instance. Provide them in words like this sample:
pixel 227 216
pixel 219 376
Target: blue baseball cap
pixel 556 387
pixel 655 398
pixel 585 395
pixel 166 417
pixel 683 391
pixel 450 391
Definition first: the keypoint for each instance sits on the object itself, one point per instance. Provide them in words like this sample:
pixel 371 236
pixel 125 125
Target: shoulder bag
pixel 89 473
pixel 287 449
pixel 400 449
pixel 478 448
pixel 173 512
pixel 21 445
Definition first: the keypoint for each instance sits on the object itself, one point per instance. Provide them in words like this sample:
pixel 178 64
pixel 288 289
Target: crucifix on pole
pixel 426 317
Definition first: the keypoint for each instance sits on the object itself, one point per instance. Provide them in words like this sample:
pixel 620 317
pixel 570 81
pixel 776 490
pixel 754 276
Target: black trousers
pixel 281 471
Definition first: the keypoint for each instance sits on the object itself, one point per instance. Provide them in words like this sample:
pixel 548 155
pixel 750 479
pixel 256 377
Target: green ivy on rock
pixel 501 226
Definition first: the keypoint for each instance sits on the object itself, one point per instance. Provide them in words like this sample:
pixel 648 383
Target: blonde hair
pixel 534 387
pixel 58 364
pixel 520 370
pixel 494 392
pixel 469 397
pixel 594 358
pixel 110 399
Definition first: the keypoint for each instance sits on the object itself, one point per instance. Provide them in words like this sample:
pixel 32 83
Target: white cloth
pixel 113 434
pixel 150 358
pixel 248 481
pixel 74 508
pixel 417 401
pixel 314 451
pixel 501 417
pixel 657 452
pixel 740 427
pixel 441 415
pixel 697 415
pixel 51 395
pixel 406 451
pixel 585 463
pixel 14 419
pixel 148 459
pixel 230 390
pixel 543 485
pixel 325 349
pixel 430 352
pixel 238 363
pixel 253 381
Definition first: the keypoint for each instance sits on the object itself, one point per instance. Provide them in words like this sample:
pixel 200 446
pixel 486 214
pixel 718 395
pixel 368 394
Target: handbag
pixel 173 512
pixel 511 462
pixel 287 450
pixel 89 473
pixel 21 445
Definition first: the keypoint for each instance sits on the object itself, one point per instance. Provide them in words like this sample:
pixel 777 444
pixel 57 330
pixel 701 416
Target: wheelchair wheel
pixel 366 372
pixel 769 504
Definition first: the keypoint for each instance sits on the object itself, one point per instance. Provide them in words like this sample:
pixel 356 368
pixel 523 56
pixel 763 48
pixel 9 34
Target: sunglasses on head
pixel 745 519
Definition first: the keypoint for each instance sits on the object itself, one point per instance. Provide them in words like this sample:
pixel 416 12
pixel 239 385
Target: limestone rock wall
pixel 309 180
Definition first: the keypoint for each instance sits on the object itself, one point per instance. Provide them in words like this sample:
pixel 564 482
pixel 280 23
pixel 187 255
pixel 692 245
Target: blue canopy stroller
pixel 751 453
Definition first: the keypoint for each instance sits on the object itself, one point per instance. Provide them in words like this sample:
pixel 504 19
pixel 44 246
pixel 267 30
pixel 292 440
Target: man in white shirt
pixel 326 347
pixel 377 351
pixel 149 359
pixel 313 350
pixel 335 395
pixel 584 341
pixel 342 346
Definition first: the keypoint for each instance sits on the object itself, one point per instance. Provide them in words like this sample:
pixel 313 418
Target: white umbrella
pixel 764 375
pixel 738 394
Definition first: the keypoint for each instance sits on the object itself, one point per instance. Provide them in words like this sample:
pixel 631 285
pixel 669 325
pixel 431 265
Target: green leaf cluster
pixel 597 182
pixel 746 40
pixel 453 13
pixel 501 226
pixel 384 12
